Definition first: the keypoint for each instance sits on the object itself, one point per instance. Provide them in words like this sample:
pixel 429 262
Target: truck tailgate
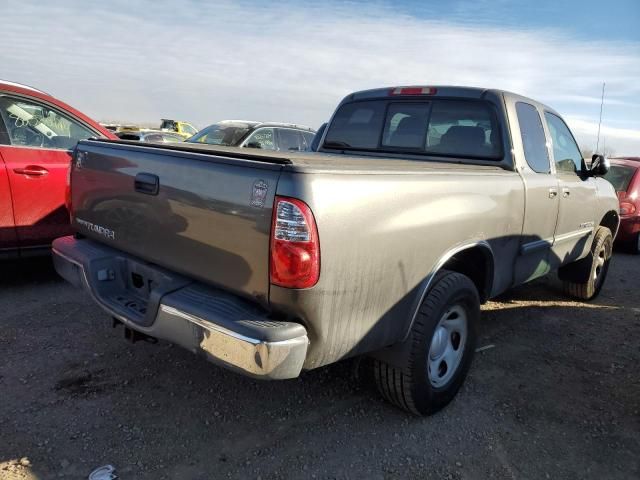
pixel 204 214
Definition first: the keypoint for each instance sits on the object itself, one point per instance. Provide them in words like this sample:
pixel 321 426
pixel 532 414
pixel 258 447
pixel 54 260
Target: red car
pixel 624 175
pixel 37 135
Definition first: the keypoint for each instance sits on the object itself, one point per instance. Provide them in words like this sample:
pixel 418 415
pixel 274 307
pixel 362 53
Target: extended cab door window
pixel 533 139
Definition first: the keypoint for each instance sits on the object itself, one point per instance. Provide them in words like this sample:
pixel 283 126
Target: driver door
pixel 37 154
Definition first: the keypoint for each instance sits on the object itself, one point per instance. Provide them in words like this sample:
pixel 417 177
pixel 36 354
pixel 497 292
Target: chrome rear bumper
pixel 226 329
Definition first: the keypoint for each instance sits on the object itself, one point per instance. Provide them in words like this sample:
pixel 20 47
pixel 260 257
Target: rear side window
pixel 533 139
pixel 263 138
pixel 620 177
pixel 290 140
pixel 452 128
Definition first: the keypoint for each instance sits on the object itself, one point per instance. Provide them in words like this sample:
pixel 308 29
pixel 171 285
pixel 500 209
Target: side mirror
pixel 254 145
pixel 600 165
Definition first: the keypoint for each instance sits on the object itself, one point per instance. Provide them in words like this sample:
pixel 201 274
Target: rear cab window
pixel 439 127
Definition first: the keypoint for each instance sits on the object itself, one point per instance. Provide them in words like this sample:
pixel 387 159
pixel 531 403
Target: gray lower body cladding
pixel 227 329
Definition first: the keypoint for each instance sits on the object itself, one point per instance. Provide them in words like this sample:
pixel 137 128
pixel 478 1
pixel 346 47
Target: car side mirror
pixel 600 165
pixel 254 145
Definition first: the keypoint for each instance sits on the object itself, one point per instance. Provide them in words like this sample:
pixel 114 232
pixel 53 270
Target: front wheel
pixel 439 350
pixel 584 279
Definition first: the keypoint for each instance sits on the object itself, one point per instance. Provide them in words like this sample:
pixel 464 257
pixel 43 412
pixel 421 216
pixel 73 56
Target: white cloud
pixel 285 62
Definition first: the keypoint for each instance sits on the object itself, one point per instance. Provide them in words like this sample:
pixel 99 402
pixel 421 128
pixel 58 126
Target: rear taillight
pixel 627 208
pixel 295 247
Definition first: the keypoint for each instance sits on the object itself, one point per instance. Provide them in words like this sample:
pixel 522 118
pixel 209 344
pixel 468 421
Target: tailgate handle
pixel 147 183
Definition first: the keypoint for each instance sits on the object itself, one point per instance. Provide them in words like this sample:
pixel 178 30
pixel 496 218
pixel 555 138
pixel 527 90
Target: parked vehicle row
pixel 265 136
pixel 38 133
pixel 420 204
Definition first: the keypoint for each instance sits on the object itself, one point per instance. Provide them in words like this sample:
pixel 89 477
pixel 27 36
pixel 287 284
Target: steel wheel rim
pixel 601 260
pixel 447 346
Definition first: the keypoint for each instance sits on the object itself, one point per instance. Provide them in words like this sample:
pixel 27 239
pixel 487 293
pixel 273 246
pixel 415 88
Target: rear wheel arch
pixel 611 220
pixel 474 260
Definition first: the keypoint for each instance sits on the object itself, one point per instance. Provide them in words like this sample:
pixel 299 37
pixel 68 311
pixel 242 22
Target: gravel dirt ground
pixel 557 396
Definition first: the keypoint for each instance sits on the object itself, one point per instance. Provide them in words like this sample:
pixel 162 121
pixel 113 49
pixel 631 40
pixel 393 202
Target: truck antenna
pixel 600 121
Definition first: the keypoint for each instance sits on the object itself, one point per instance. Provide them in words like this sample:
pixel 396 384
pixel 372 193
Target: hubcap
pixel 447 346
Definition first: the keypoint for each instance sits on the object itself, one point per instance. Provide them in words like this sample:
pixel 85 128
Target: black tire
pixel 411 387
pixel 584 279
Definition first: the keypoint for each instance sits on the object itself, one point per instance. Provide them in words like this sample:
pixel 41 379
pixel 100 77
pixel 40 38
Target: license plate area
pixel 131 288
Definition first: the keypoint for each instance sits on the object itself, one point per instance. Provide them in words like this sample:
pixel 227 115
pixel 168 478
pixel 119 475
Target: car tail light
pixel 295 247
pixel 627 208
pixel 413 91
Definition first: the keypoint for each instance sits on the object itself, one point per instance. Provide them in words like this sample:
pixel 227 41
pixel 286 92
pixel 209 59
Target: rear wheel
pixel 584 279
pixel 439 349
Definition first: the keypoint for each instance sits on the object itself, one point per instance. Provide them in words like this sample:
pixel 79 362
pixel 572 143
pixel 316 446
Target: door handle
pixel 147 183
pixel 553 192
pixel 566 192
pixel 31 171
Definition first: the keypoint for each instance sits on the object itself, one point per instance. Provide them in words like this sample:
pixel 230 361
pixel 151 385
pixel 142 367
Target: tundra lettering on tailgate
pixel 99 229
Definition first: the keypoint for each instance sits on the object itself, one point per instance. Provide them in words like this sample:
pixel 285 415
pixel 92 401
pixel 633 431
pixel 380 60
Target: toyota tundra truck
pixel 420 204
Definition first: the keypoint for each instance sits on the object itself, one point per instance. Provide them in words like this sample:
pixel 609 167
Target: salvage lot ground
pixel 557 397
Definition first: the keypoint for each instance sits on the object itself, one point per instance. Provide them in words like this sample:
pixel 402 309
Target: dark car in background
pixel 263 135
pixel 625 178
pixel 152 136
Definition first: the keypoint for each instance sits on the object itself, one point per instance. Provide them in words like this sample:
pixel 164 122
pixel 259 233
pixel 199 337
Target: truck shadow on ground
pixel 27 272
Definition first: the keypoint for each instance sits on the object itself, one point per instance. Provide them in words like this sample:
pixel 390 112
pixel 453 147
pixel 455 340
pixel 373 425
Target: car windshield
pixel 620 176
pixel 450 128
pixel 227 134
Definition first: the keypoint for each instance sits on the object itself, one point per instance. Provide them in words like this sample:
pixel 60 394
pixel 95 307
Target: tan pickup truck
pixel 421 203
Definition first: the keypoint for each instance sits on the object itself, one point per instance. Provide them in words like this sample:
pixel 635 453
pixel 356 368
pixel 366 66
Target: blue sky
pixel 293 61
pixel 588 19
